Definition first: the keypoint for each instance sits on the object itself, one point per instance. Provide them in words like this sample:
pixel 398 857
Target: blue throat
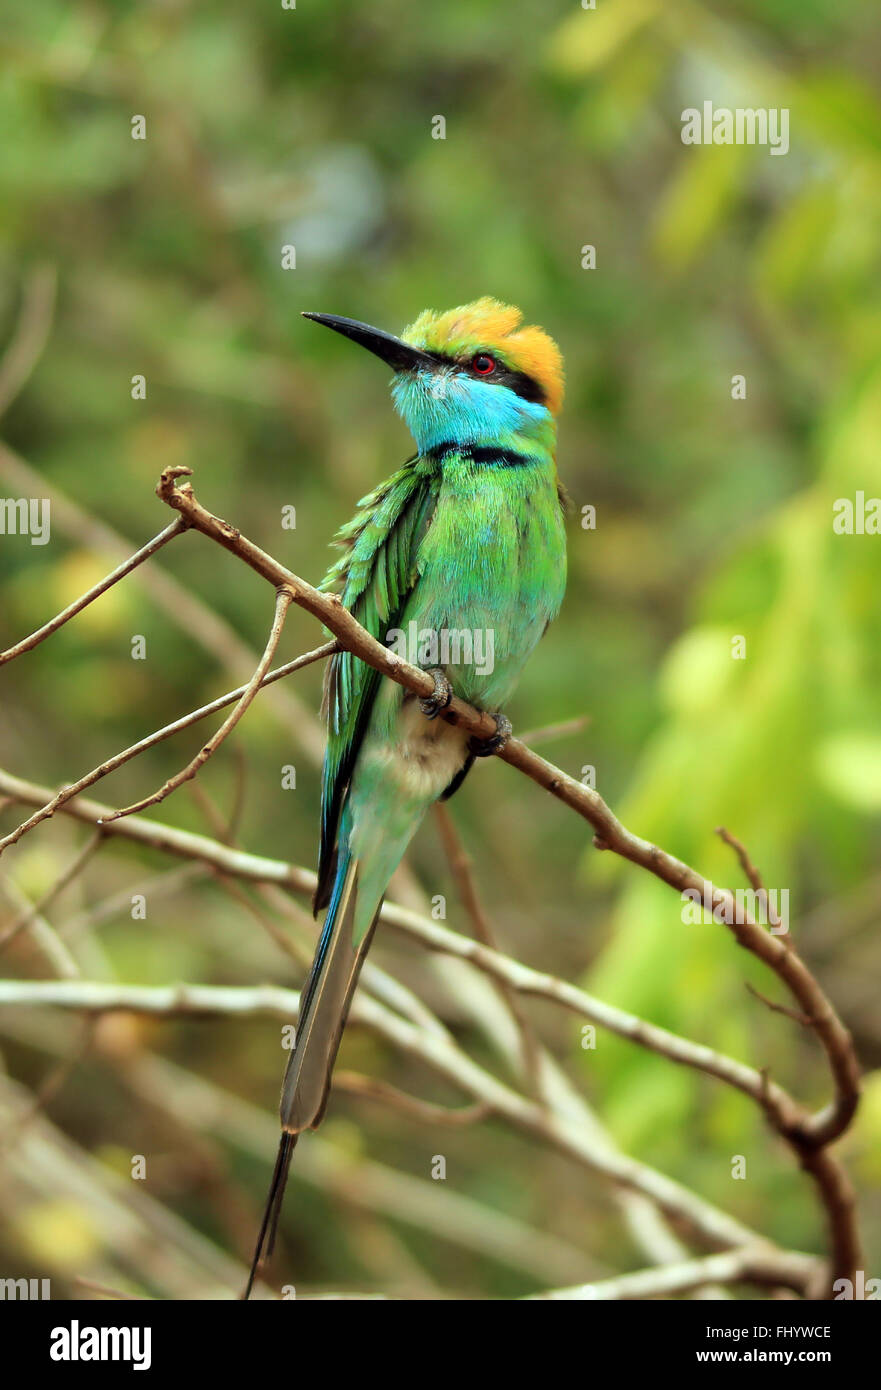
pixel 448 408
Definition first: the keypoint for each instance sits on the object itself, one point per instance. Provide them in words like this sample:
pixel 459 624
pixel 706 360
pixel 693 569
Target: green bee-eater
pixel 464 547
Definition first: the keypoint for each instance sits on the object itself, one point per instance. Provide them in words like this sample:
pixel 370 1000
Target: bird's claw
pixel 432 705
pixel 485 747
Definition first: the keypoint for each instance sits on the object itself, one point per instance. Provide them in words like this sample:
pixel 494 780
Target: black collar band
pixel 483 454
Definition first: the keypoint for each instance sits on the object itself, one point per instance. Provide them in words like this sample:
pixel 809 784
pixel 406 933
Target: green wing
pixel 374 579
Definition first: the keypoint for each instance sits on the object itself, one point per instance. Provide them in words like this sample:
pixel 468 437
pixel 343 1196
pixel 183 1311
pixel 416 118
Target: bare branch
pixel 205 627
pixel 356 1182
pixel 610 833
pixel 27 644
pixel 282 603
pixel 705 1222
pixel 437 937
pixel 809 1135
pixel 326 607
pixel 166 838
pixel 61 798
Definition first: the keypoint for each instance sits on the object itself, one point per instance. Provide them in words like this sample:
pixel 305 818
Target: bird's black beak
pixel 399 355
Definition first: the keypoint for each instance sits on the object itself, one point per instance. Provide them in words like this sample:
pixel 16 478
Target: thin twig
pixel 177 601
pixel 27 644
pixel 282 604
pixel 548 733
pixel 752 874
pixel 66 794
pixel 833 1185
pixel 290 947
pixel 372 1088
pixel 780 1008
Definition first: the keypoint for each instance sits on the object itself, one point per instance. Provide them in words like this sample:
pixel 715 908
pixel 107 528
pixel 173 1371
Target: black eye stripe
pixel 518 382
pixel 523 385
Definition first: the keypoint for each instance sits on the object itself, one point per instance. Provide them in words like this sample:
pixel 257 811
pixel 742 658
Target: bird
pixel 466 539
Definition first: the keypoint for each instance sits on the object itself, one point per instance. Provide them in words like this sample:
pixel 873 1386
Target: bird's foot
pixel 432 705
pixel 485 747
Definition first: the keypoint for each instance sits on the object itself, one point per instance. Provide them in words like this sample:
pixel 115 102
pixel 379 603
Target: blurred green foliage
pixel 312 127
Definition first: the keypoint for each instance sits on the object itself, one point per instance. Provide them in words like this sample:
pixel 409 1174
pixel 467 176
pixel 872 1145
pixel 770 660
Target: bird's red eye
pixel 483 364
